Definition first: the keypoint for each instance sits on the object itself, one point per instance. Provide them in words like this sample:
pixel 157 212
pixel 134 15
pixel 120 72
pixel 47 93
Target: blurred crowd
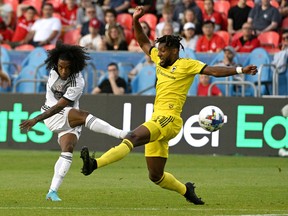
pixel 205 25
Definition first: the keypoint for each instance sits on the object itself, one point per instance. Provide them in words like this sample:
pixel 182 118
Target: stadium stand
pixel 151 19
pixel 269 41
pixel 35 3
pixel 125 20
pixel 222 7
pixel 262 60
pixel 33 74
pixel 72 37
pixel 7 66
pixel 225 35
pixel 144 81
pixel 25 47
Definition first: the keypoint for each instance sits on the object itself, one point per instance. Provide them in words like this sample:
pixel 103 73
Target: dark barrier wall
pixel 254 125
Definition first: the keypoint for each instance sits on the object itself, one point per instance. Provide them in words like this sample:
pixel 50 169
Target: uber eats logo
pixel 11 119
pixel 246 126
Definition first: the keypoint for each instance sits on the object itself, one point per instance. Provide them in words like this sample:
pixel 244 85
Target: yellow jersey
pixel 173 83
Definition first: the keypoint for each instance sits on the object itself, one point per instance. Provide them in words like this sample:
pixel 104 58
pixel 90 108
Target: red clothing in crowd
pixel 245 46
pixel 68 17
pixel 6 34
pixel 203 90
pixel 205 45
pixel 215 17
pixel 22 28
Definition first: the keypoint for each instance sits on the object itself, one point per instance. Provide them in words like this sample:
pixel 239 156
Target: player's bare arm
pixel 141 37
pixel 28 124
pixel 219 71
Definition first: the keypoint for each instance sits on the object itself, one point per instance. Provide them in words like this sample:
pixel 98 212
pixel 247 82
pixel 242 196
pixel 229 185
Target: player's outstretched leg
pixel 89 163
pixel 190 194
pixel 52 196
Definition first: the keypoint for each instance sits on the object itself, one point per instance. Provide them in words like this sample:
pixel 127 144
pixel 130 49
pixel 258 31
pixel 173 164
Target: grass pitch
pixel 229 185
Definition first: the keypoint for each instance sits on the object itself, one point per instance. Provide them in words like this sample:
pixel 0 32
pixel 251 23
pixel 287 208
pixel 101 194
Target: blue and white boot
pixel 53 196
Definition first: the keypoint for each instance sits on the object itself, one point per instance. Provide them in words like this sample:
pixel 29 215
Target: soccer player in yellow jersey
pixel 174 77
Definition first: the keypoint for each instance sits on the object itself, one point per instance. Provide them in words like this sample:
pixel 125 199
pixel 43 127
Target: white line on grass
pixel 143 209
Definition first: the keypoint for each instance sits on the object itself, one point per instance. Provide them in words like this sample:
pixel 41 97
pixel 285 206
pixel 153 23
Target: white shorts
pixel 59 123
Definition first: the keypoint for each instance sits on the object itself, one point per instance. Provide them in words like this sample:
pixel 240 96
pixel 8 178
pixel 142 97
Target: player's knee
pixel 155 176
pixel 68 147
pixel 136 139
pixel 83 114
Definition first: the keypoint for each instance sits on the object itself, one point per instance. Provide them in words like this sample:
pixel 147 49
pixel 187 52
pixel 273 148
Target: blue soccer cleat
pixel 52 196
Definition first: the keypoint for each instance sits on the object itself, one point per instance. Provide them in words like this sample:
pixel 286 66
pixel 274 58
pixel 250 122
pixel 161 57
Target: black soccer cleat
pixel 89 163
pixel 190 194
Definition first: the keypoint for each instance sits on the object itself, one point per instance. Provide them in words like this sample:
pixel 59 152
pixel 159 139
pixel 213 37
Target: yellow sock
pixel 168 181
pixel 115 154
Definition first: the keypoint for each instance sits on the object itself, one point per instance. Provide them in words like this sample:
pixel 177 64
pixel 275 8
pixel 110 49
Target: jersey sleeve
pixel 195 66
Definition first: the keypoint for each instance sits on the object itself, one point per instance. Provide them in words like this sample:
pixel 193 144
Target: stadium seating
pixel 91 76
pixel 25 47
pixel 250 3
pixel 128 35
pixel 35 3
pixel 124 69
pixel 49 46
pixel 55 3
pixel 258 57
pixel 269 41
pixel 193 88
pixel 33 72
pixel 222 7
pixel 7 66
pixel 14 4
pixel 6 46
pixel 200 4
pixel 125 20
pixel 72 37
pixel 231 90
pixel 144 81
pixel 225 35
pixel 283 83
pixel 151 19
pixel 187 53
pixel 274 3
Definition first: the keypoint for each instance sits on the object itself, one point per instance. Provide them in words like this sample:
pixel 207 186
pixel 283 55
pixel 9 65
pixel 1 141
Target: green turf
pixel 229 185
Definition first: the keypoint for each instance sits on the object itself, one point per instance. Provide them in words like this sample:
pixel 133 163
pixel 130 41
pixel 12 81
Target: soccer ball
pixel 211 118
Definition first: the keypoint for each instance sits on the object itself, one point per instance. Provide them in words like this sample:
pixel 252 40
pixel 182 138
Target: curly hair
pixel 171 41
pixel 76 55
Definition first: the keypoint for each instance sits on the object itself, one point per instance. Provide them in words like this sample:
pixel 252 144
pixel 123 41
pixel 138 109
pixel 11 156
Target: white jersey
pixel 71 89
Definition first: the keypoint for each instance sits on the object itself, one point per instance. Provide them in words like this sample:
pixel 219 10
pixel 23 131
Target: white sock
pixel 60 170
pixel 100 126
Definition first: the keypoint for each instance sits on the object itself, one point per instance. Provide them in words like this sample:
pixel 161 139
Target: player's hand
pixel 250 69
pixel 138 13
pixel 28 124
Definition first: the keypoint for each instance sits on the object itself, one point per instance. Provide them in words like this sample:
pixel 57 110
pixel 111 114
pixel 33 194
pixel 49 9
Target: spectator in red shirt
pixel 248 41
pixel 23 26
pixel 209 42
pixel 203 86
pixel 68 12
pixel 5 33
pixel 210 14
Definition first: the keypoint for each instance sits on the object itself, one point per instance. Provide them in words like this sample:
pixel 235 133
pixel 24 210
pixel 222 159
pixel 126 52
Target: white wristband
pixel 239 70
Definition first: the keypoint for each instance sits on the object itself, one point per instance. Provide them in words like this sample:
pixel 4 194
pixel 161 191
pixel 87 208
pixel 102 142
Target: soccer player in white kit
pixel 61 112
